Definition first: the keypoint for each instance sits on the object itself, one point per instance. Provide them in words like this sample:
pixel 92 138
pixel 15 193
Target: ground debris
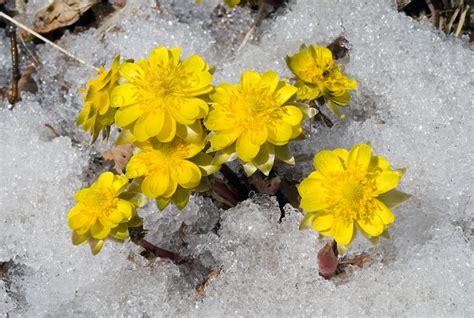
pixel 119 155
pixel 212 274
pixel 61 13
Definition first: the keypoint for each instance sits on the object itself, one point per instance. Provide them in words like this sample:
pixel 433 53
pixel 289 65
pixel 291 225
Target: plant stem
pixel 235 182
pixel 321 117
pixel 13 97
pixel 230 198
pixel 162 253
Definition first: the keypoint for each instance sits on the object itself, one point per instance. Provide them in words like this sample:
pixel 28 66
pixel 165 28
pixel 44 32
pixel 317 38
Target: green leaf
pixel 393 198
pixel 137 199
pixel 96 245
pixel 386 234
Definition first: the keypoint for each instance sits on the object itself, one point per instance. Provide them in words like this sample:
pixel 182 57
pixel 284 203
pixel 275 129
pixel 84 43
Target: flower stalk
pixel 164 254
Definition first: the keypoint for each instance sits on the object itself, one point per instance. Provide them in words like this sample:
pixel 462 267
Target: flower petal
pixel 285 93
pixel 384 213
pixel 386 181
pixel 246 150
pixel 99 231
pixel 292 115
pixel 155 185
pixel 269 80
pixel 322 221
pixel 186 173
pixel 105 180
pixel 327 162
pixel 249 79
pixel 126 115
pixel 132 72
pixel 359 157
pixel 372 225
pixel 342 231
pixel 124 95
pixel 168 130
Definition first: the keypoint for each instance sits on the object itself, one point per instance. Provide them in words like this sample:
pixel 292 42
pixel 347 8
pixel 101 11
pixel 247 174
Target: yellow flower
pixel 349 190
pixel 96 115
pixel 253 121
pixel 318 76
pixel 170 170
pixel 101 212
pixel 161 95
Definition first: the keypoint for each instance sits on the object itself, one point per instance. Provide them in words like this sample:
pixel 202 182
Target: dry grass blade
pixel 461 21
pixel 39 36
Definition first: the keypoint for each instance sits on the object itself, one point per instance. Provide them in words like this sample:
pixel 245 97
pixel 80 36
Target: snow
pixel 414 104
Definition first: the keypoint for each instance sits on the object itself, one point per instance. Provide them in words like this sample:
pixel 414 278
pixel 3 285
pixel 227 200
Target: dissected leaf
pixel 60 13
pixel 119 155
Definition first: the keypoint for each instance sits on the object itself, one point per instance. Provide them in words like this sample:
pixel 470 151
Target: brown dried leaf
pixel 339 47
pixel 61 13
pixel 119 155
pixel 26 82
pixel 265 185
pixel 358 261
pixel 182 232
pixel 201 286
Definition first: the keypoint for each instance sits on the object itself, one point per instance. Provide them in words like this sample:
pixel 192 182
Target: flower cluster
pixel 350 190
pixel 318 76
pixel 183 129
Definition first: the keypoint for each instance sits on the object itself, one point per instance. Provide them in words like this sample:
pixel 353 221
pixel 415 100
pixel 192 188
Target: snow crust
pixel 414 104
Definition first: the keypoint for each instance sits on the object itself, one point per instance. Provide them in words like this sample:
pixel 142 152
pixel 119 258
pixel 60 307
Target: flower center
pixel 161 86
pixel 101 203
pixel 254 109
pixel 350 194
pixel 352 191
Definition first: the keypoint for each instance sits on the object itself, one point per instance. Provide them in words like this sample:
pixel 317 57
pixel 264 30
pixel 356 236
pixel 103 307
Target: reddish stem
pixel 235 182
pixel 162 253
pixel 223 191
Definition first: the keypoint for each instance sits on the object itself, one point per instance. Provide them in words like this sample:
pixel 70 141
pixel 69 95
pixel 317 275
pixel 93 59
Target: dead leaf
pixel 265 185
pixel 26 82
pixel 119 155
pixel 359 261
pixel 60 13
pixel 339 47
pixel 182 232
pixel 202 285
pixel 289 190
